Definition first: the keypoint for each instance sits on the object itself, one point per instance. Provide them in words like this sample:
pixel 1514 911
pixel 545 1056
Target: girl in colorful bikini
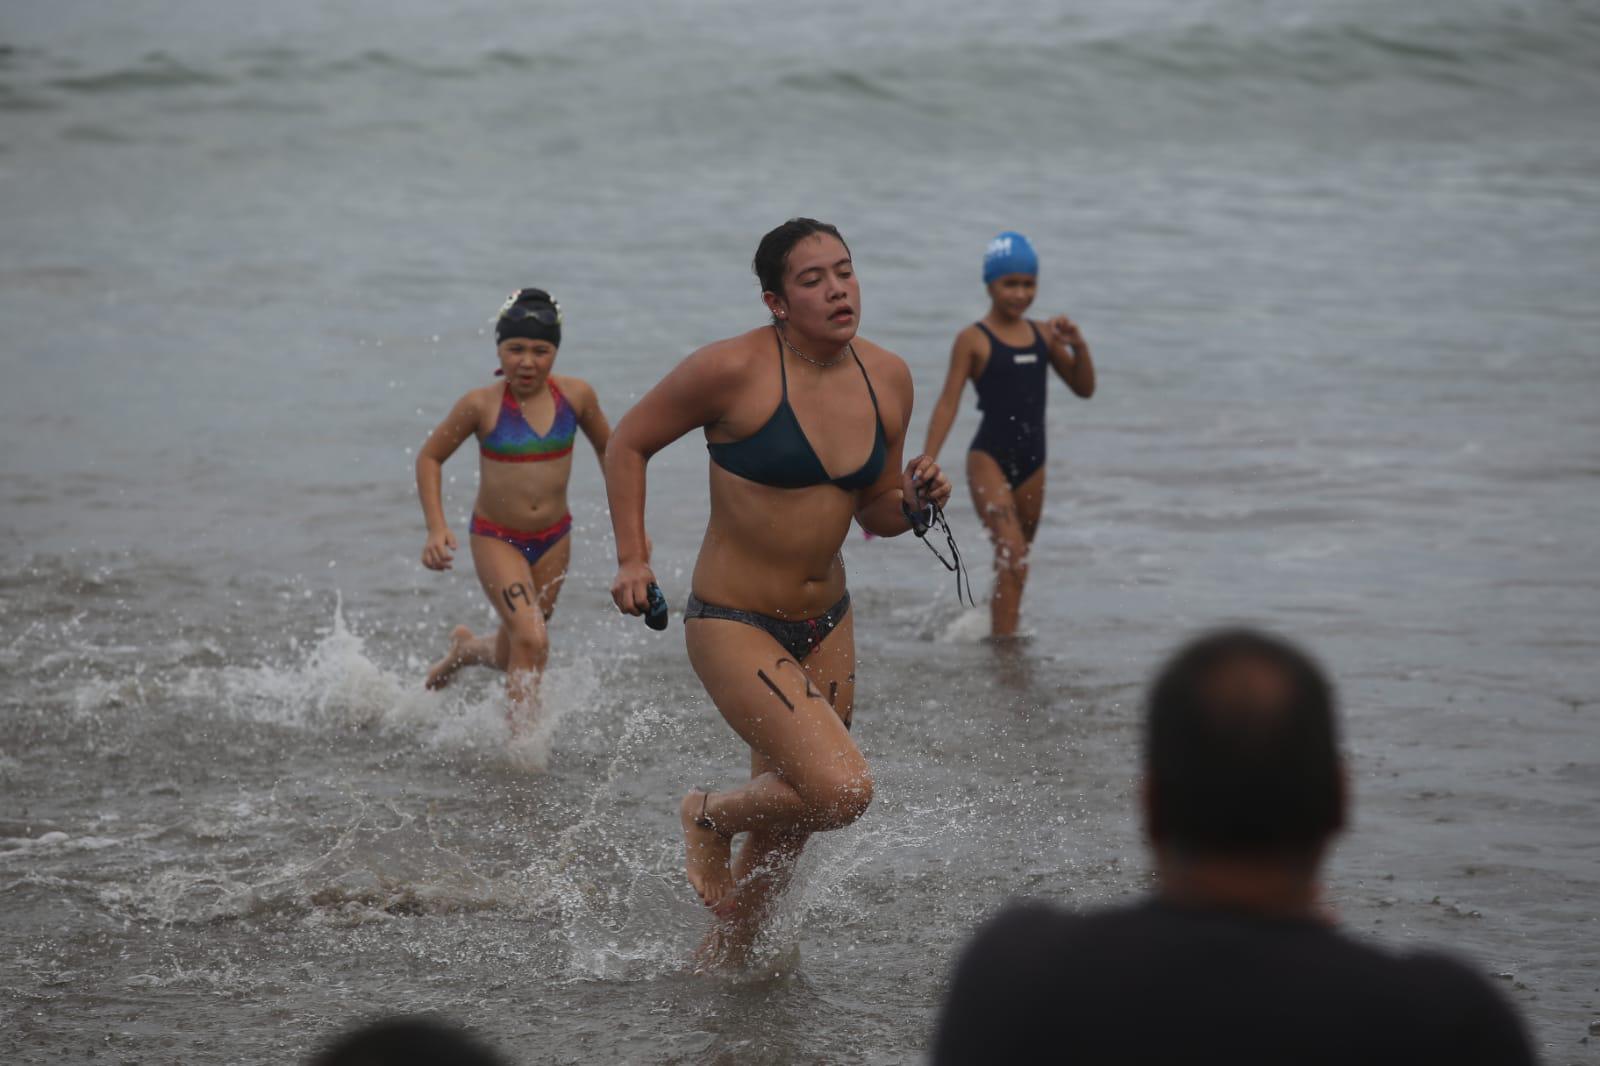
pixel 520 523
pixel 1005 355
pixel 805 422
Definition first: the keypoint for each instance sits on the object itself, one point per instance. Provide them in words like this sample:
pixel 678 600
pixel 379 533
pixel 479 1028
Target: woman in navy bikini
pixel 520 523
pixel 1005 355
pixel 805 422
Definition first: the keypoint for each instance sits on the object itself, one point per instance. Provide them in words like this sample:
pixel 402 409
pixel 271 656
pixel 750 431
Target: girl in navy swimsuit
pixel 520 523
pixel 805 422
pixel 1005 357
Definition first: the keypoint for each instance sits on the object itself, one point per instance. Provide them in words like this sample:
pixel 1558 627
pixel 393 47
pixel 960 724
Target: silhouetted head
pixel 1241 751
pixel 407 1041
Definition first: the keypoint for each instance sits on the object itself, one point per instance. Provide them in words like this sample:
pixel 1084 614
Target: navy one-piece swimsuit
pixel 1011 394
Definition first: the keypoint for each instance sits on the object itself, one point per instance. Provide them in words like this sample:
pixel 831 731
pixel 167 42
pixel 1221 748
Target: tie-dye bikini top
pixel 514 441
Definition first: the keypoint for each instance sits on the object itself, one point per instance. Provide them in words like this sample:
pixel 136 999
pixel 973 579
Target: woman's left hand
pixel 1064 330
pixel 924 482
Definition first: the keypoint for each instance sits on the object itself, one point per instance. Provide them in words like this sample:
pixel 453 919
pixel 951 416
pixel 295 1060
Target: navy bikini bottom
pixel 799 639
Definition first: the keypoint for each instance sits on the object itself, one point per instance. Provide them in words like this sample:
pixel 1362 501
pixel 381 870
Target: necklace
pixel 849 349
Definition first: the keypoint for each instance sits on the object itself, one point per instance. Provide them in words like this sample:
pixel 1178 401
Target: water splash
pixel 821 892
pixel 337 681
pixel 623 908
pixel 971 626
pixel 616 885
pixel 339 684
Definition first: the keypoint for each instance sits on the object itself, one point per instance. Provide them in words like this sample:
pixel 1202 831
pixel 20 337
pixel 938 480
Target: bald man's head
pixel 1241 750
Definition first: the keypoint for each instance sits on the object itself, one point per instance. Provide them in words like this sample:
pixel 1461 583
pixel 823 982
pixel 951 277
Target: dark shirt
pixel 1156 983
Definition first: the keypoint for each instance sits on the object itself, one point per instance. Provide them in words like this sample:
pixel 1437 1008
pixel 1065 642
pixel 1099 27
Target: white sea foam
pixel 226 979
pixel 57 841
pixel 385 864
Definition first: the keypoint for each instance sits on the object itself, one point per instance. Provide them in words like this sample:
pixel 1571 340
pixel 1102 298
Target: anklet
pixel 703 821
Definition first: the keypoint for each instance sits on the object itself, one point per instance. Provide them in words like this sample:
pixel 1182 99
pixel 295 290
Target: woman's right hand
pixel 629 590
pixel 438 552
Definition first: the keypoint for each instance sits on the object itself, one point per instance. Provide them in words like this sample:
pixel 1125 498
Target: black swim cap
pixel 529 313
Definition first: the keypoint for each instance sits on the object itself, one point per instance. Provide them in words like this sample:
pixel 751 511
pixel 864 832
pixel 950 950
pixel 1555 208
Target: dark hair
pixel 407 1041
pixel 1238 766
pixel 772 254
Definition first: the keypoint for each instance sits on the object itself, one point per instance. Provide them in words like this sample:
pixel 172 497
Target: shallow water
pixel 1336 261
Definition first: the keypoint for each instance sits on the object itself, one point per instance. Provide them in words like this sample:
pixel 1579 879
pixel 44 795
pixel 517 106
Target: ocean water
pixel 1337 261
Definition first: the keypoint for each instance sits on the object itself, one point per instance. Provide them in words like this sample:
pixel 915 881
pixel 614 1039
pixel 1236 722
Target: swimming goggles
pixel 544 314
pixel 931 516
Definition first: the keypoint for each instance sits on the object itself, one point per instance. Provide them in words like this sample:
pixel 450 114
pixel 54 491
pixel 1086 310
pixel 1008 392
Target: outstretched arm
pixel 949 402
pixel 441 444
pixel 1069 354
pixel 694 394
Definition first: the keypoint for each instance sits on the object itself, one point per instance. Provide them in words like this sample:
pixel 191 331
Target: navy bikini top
pixel 779 455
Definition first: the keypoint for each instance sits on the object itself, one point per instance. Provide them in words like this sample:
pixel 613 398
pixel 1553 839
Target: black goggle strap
pixel 531 303
pixel 933 518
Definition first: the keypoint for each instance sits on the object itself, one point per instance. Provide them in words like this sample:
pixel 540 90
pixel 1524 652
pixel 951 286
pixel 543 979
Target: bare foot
pixel 707 852
pixel 722 950
pixel 454 659
pixel 521 717
pixel 731 942
pixel 522 701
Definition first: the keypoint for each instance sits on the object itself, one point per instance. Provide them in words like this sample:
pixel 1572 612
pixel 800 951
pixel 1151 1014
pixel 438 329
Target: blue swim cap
pixel 1009 253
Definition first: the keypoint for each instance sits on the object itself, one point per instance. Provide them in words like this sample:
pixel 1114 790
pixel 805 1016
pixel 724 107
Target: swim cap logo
pixel 1009 253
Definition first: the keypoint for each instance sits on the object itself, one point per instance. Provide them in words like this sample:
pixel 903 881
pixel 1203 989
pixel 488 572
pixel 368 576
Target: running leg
pixel 511 587
pixel 468 649
pixel 1029 498
pixel 814 776
pixel 765 861
pixel 997 509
